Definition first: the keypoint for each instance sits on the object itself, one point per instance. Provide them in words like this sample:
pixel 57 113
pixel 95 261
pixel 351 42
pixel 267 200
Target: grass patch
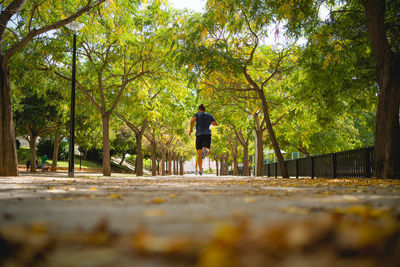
pixel 24 155
pixel 85 163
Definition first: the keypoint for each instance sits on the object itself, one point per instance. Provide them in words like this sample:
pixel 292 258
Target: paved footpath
pixel 48 219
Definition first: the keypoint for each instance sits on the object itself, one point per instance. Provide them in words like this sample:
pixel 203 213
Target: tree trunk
pixel 245 144
pixel 57 141
pixel 387 128
pixel 162 162
pixel 270 129
pixel 153 158
pixel 170 162
pixel 122 160
pixel 221 165
pixel 139 154
pixel 273 140
pixel 105 118
pixel 216 166
pixel 8 147
pixel 234 154
pixel 246 159
pixel 32 150
pixel 174 163
pixel 260 153
pixel 181 166
pixel 227 163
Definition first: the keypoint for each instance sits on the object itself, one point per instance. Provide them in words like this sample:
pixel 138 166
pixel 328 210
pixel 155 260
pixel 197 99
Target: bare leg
pixel 200 161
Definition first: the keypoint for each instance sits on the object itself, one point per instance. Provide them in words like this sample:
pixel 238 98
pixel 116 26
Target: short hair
pixel 202 107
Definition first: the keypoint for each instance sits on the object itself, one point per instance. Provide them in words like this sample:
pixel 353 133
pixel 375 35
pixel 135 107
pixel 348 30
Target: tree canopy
pixel 302 76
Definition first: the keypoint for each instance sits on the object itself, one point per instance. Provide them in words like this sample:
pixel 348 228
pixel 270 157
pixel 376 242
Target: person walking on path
pixel 203 134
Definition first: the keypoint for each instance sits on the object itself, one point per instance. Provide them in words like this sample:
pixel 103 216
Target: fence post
pixel 334 166
pixel 367 162
pixel 268 170
pixel 276 169
pixel 312 167
pixel 297 168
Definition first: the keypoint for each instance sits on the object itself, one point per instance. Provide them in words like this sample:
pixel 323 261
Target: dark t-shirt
pixel 203 122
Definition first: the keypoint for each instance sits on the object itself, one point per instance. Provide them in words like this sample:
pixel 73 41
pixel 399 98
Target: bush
pixel 45 146
pixel 94 154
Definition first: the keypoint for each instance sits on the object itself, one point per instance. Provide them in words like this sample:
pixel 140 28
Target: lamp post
pixel 75 27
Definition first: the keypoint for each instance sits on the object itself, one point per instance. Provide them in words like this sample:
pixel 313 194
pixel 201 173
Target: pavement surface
pixel 197 220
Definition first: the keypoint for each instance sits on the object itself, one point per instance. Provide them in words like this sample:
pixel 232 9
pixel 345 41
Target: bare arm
pixel 191 125
pixel 215 123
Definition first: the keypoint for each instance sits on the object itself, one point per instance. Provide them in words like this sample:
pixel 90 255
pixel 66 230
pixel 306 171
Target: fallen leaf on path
pixel 114 196
pixel 154 213
pixel 296 210
pixel 250 200
pixel 158 200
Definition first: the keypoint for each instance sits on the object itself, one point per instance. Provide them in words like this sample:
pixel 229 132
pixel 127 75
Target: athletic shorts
pixel 203 141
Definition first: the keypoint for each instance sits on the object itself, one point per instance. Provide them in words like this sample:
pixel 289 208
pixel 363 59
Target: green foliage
pixel 45 146
pixel 23 155
pixel 37 114
pixel 155 65
pixel 123 143
pixel 92 154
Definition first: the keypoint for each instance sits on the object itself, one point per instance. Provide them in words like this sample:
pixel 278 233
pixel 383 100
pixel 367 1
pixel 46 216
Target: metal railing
pixel 347 164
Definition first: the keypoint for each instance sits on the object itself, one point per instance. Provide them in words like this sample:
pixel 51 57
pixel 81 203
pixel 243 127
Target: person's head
pixel 202 108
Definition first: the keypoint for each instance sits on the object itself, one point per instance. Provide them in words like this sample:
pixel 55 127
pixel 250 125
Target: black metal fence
pixel 347 164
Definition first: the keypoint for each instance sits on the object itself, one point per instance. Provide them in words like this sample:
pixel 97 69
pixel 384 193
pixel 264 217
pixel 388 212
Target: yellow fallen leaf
pixel 154 213
pixel 296 210
pixel 250 200
pixel 115 196
pixel 158 200
pixel 39 228
pixel 52 188
pixel 172 196
pixel 93 188
pixel 214 192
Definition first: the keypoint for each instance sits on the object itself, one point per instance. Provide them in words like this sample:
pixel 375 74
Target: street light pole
pixel 72 116
pixel 75 27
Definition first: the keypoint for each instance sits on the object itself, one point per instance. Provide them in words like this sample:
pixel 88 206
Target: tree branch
pixel 35 32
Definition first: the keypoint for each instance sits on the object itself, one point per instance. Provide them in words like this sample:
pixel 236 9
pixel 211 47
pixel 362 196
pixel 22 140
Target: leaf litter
pixel 357 235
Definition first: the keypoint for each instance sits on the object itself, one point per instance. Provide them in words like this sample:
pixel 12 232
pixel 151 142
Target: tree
pixel 20 22
pixel 385 45
pixel 229 42
pixel 123 55
pixel 35 117
pixel 352 27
